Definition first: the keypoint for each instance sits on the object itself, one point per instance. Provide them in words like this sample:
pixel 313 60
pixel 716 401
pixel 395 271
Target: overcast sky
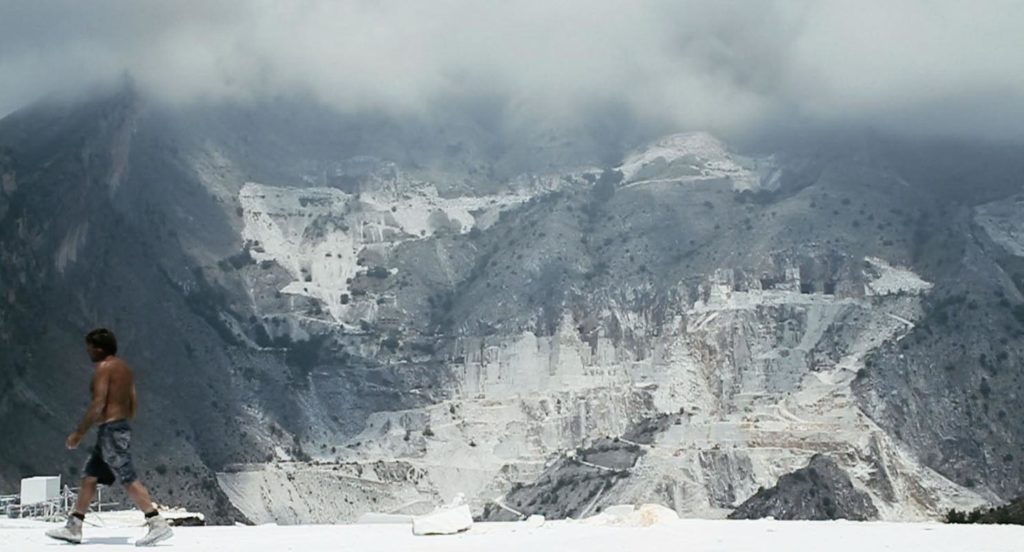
pixel 929 66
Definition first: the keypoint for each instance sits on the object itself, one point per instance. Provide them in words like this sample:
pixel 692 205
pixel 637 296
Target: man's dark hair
pixel 103 339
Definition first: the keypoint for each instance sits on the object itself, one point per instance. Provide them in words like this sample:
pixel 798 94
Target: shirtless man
pixel 113 404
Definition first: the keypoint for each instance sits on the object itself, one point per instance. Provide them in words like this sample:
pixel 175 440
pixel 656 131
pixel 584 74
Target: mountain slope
pixel 423 312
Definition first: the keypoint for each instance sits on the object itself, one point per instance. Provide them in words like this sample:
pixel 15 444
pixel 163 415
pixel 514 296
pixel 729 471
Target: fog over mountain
pixel 735 258
pixel 913 67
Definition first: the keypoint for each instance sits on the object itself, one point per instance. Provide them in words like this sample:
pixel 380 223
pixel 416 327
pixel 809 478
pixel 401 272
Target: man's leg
pixel 117 454
pixel 140 496
pixel 158 528
pixel 86 491
pixel 116 450
pixel 72 530
pixel 115 447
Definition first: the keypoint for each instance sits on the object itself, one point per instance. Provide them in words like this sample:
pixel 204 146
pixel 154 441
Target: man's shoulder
pixel 112 364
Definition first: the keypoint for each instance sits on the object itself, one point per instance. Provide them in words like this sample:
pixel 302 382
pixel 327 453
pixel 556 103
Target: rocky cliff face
pixel 334 321
pixel 821 490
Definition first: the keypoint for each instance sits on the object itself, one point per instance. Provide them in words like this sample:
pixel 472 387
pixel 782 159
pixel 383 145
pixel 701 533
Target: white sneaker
pixel 158 531
pixel 71 532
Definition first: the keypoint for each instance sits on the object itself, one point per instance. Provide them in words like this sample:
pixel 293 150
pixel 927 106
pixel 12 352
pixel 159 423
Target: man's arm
pixel 100 386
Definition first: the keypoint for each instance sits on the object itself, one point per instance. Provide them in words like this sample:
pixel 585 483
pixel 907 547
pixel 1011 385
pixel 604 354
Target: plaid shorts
pixel 111 457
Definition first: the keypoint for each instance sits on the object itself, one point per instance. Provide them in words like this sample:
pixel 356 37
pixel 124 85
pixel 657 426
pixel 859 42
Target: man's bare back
pixel 113 394
pixel 120 400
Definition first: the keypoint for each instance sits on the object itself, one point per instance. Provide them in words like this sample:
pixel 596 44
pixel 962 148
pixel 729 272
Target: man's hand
pixel 73 440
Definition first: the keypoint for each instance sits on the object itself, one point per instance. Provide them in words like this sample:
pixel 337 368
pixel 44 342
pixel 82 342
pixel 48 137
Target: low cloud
pixel 923 67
